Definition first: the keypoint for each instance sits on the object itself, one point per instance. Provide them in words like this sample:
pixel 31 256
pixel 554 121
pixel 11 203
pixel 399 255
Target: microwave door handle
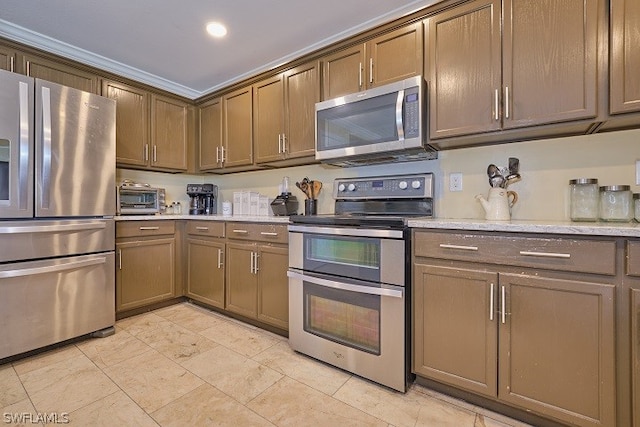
pixel 399 105
pixel 346 286
pixel 23 147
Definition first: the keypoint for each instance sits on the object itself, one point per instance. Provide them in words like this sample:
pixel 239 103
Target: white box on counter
pixel 254 199
pixel 264 206
pixel 237 203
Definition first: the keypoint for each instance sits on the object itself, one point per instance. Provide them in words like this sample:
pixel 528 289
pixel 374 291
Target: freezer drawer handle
pixel 346 286
pixel 52 228
pixel 52 268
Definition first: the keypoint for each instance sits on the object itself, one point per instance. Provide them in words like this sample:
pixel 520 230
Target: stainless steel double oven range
pixel 350 274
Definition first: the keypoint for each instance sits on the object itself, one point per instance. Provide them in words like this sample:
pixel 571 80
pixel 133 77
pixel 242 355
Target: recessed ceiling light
pixel 216 29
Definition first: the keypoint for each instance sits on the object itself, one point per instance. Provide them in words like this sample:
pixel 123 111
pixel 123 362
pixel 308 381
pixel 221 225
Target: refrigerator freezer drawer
pixel 48 301
pixel 36 239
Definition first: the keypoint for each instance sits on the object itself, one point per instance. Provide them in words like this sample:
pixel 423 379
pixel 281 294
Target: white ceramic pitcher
pixel 498 206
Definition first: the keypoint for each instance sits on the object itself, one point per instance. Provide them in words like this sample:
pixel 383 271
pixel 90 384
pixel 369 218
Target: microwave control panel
pixel 411 112
pixel 384 187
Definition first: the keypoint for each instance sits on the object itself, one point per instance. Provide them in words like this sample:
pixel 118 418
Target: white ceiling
pixel 164 43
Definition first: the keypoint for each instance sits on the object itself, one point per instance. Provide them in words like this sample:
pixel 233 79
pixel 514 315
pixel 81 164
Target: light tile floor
pixel 187 366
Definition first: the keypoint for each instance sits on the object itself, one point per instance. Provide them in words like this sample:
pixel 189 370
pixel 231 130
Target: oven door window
pixel 354 257
pixel 349 318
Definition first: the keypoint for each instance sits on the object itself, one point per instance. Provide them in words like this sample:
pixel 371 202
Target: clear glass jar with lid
pixel 616 203
pixel 584 199
pixel 636 203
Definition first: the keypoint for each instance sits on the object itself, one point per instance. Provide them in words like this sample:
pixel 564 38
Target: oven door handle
pixel 346 286
pixel 348 232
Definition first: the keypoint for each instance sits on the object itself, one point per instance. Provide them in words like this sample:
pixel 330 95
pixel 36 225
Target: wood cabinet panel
pixel 456 333
pixel 144 228
pixel 302 91
pixel 205 228
pixel 169 134
pixel 625 56
pixel 271 233
pixel 132 122
pixel 273 286
pixel 268 119
pixel 7 58
pixel 635 354
pixel 342 72
pixel 396 55
pixel 205 270
pixel 559 332
pixel 211 138
pixel 56 72
pixel 238 128
pixel 241 286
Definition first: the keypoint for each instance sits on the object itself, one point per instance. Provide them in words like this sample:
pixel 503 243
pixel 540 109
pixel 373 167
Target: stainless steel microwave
pixel 380 125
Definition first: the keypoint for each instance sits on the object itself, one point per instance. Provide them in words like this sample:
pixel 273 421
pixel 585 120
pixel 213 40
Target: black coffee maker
pixel 204 199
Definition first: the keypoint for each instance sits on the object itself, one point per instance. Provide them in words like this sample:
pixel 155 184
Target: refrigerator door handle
pixel 52 268
pixel 46 146
pixel 23 148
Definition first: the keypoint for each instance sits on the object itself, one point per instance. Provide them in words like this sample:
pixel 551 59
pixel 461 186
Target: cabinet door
pixel 395 56
pixel 557 347
pixel 132 123
pixel 343 72
pixel 268 119
pixel 625 56
pixel 168 133
pixel 242 282
pixel 7 58
pixel 549 61
pixel 635 354
pixel 238 128
pixel 464 69
pixel 455 328
pixel 273 286
pixel 205 271
pixel 145 273
pixel 210 115
pixel 302 91
pixel 59 73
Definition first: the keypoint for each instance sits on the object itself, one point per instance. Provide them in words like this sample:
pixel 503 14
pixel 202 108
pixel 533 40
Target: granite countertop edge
pixel 237 218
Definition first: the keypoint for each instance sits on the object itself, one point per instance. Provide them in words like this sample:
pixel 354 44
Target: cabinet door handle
pixel 155 153
pixel 545 254
pixel 255 263
pixel 279 143
pixel 222 151
pixel 496 106
pixel 491 302
pixel 268 233
pixel 119 259
pixel 506 102
pixel 251 264
pixel 220 265
pixel 202 228
pixel 464 248
pixel 370 70
pixel 504 306
pixel 11 65
pixel 360 75
pixel 146 152
pixel 284 143
pixel 149 228
pixel 240 231
pixel 29 68
pixel 217 154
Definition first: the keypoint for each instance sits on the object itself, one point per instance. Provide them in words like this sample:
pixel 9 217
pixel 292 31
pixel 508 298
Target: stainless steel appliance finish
pixel 57 236
pixel 349 277
pixel 379 125
pixel 140 200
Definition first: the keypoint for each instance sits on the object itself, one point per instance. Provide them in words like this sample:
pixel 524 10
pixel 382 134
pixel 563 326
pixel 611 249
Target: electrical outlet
pixel 637 172
pixel 455 181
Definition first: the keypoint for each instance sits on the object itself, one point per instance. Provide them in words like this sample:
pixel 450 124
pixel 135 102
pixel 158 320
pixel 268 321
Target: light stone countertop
pixel 626 229
pixel 238 218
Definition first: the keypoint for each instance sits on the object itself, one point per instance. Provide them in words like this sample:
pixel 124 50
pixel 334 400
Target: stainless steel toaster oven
pixel 140 200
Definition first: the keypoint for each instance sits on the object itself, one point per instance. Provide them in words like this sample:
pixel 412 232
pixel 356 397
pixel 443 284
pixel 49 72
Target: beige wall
pixel 546 167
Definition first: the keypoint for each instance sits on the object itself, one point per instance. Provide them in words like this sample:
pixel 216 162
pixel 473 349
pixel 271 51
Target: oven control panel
pixel 384 187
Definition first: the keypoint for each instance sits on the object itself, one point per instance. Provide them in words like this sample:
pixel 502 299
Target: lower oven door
pixel 356 326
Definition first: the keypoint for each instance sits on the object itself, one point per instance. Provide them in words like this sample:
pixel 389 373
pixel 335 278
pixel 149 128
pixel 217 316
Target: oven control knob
pixel 415 184
pixel 403 185
pixel 341 187
pixel 351 187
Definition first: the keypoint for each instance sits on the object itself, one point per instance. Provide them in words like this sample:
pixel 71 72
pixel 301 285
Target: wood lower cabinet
pixel 537 338
pixel 389 57
pixel 256 272
pixel 145 268
pixel 635 354
pixel 498 65
pixel 205 259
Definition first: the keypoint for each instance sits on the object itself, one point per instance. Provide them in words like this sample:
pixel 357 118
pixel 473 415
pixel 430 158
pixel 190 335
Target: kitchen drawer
pixel 206 228
pixel 633 258
pixel 273 233
pixel 144 228
pixel 552 253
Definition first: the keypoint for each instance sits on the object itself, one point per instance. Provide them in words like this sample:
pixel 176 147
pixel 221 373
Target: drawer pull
pixel 240 231
pixel 545 254
pixel 464 248
pixel 149 228
pixel 268 233
pixel 202 228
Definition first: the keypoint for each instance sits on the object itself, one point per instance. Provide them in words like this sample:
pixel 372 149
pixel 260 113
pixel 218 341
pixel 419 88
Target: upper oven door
pixel 383 119
pixel 376 255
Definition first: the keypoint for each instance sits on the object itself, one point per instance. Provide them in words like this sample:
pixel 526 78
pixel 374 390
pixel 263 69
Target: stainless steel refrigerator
pixel 57 202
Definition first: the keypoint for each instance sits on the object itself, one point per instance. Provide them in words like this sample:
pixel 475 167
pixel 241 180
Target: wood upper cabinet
pixel 211 139
pixel 284 114
pixel 57 72
pixel 387 58
pixel 132 122
pixel 7 58
pixel 625 56
pixel 237 122
pixel 540 68
pixel 169 133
